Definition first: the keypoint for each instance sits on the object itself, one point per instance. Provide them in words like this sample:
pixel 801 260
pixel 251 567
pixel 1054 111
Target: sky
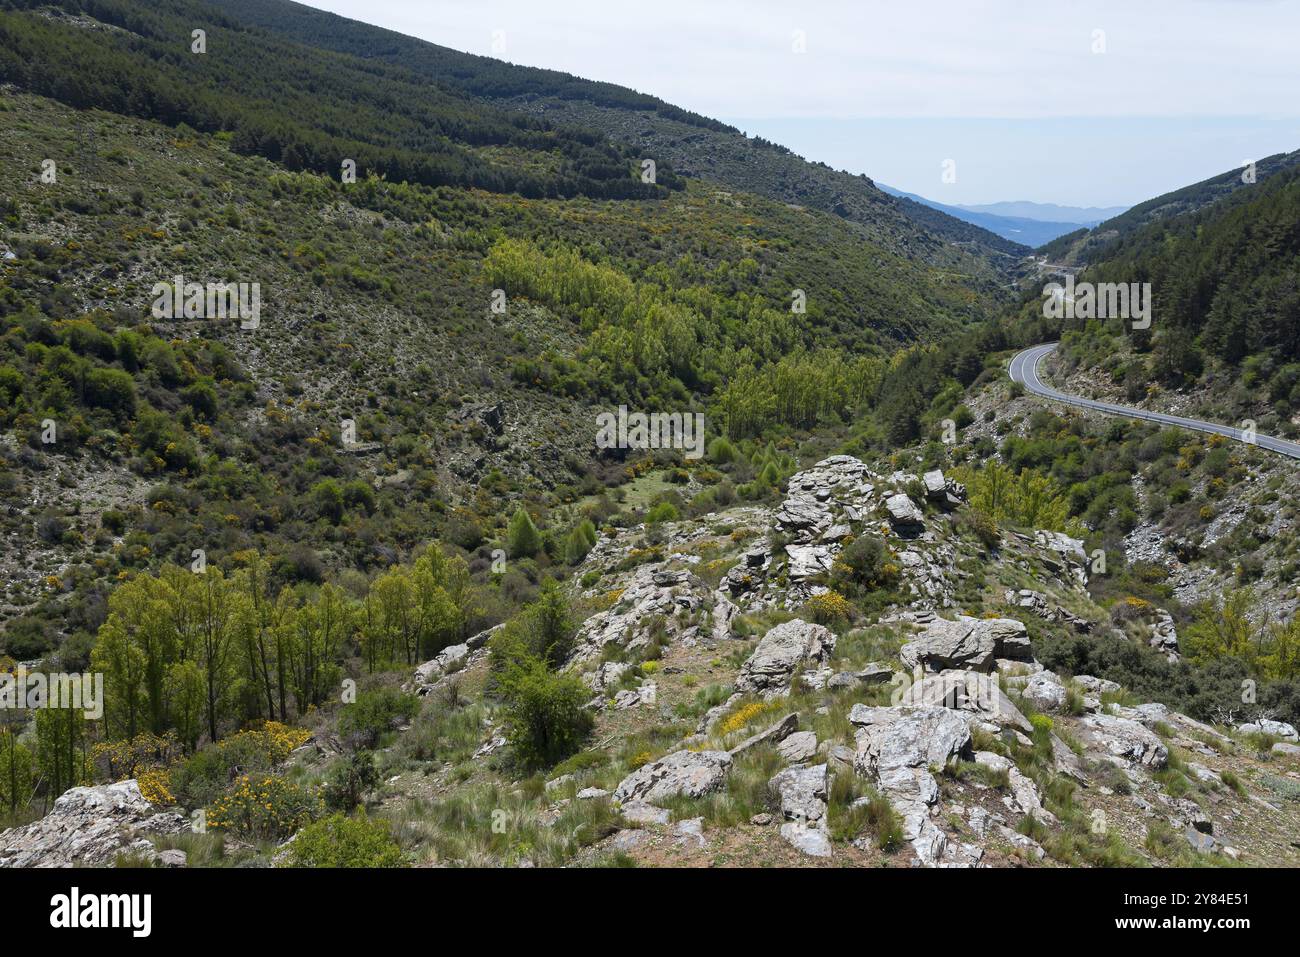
pixel 1078 102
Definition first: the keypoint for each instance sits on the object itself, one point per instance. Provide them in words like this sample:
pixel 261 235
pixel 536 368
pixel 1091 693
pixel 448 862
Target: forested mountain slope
pixel 1224 340
pixel 377 306
pixel 1093 245
pixel 296 105
pixel 693 143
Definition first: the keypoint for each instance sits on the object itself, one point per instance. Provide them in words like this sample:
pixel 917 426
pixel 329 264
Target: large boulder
pixel 89 827
pixel 809 561
pixel 903 512
pixel 975 694
pixel 1045 692
pixel 782 650
pixel 801 795
pixel 896 747
pixel 949 644
pixel 690 773
pixel 892 738
pixel 798 747
pixel 1096 686
pixel 971 644
pixel 943 490
pixel 1278 729
pixel 1123 739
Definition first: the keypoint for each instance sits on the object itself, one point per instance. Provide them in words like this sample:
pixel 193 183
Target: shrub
pixel 581 540
pixel 111 389
pixel 663 512
pixel 263 808
pixel 349 780
pixel 545 630
pixel 339 841
pixel 866 562
pixel 546 713
pixel 364 721
pixel 328 500
pixel 523 540
pixel 153 787
pixel 828 608
pixel 205 774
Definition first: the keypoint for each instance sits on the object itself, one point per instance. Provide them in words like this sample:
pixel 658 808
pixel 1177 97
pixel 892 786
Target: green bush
pixel 546 713
pixel 581 540
pixel 363 722
pixel 111 389
pixel 339 841
pixel 663 512
pixel 349 780
pixel 523 540
pixel 545 630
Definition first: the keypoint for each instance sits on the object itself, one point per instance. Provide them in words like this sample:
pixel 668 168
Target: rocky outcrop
pixel 652 596
pixel 967 643
pixel 449 661
pixel 903 512
pixel 943 491
pixel 821 500
pixel 690 773
pixel 1123 740
pixel 90 827
pixel 1278 729
pixel 800 793
pixel 1067 558
pixel 1164 635
pixel 896 747
pixel 783 649
pixel 1040 605
pixel 976 695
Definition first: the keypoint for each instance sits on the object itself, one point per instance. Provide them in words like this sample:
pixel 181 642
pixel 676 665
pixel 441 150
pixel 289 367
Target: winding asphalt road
pixel 1024 369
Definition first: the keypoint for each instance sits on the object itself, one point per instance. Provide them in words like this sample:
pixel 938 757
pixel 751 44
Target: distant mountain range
pixel 1047 212
pixel 1031 224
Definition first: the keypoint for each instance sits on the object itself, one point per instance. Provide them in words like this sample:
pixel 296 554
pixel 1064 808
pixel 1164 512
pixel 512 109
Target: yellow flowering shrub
pixel 265 808
pixel 746 713
pixel 608 600
pixel 271 739
pixel 120 760
pixel 154 787
pixel 829 606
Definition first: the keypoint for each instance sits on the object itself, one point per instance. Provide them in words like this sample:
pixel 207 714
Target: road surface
pixel 1024 369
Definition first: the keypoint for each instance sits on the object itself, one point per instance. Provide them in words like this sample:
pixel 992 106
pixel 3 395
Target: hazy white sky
pixel 1223 75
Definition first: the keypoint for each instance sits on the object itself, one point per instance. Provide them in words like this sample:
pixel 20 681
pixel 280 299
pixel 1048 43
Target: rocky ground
pixel 733 730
